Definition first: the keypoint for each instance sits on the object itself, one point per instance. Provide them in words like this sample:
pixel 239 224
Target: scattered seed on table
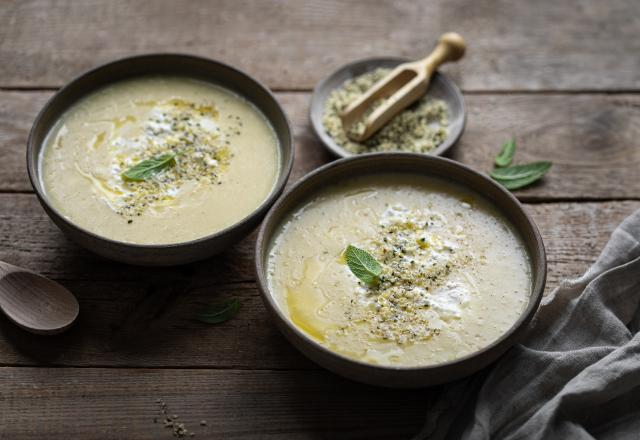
pixel 178 429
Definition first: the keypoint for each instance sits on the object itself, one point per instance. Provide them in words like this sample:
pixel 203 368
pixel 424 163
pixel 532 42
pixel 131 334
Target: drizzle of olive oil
pixel 305 299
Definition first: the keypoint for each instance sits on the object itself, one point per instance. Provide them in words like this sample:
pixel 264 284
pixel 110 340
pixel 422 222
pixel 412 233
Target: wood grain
pixel 17 113
pixel 592 140
pixel 133 316
pixel 63 403
pixel 291 44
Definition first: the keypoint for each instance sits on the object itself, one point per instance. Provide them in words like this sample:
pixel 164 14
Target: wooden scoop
pixel 402 87
pixel 35 303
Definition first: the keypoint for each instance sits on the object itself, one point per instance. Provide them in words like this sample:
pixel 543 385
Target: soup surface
pixel 156 160
pixel 455 274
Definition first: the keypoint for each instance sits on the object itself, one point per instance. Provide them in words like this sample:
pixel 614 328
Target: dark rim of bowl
pixel 337 150
pixel 278 186
pixel 537 283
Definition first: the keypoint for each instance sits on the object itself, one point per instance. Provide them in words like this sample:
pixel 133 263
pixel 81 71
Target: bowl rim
pixel 340 152
pixel 537 282
pixel 275 192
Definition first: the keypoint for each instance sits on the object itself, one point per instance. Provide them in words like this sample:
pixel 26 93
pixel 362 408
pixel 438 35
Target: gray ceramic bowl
pixel 440 87
pixel 171 64
pixel 407 377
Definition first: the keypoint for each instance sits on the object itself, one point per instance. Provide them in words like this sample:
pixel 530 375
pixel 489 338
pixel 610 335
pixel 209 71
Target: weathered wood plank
pixel 293 44
pixel 17 113
pixel 63 403
pixel 132 316
pixel 591 139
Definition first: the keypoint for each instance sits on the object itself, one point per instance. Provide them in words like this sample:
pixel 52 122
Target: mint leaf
pixel 505 157
pixel 520 171
pixel 362 264
pixel 222 312
pixel 519 176
pixel 519 183
pixel 148 168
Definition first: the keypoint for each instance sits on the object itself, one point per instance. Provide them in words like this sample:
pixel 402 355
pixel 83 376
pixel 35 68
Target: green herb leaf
pixel 519 183
pixel 148 168
pixel 222 312
pixel 362 264
pixel 520 171
pixel 519 176
pixel 505 157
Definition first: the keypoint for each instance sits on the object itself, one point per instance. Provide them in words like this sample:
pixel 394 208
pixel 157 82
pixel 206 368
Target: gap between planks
pixel 314 367
pixel 50 88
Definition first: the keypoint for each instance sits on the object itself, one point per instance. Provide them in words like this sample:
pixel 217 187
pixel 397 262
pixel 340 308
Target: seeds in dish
pixel 418 129
pixel 157 160
pixel 453 274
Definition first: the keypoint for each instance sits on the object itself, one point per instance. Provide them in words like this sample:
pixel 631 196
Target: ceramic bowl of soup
pixel 400 270
pixel 160 159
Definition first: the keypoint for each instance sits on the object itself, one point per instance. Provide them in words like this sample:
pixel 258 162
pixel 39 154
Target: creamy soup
pixel 455 276
pixel 157 160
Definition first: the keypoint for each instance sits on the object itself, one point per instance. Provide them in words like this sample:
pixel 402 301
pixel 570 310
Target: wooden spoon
pixel 35 303
pixel 402 87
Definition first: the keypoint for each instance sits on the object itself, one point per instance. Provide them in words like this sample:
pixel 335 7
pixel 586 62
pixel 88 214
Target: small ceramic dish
pixel 159 64
pixel 448 170
pixel 441 87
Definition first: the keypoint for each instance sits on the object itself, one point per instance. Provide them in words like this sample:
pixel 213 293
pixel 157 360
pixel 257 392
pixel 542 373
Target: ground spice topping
pixel 419 253
pixel 185 130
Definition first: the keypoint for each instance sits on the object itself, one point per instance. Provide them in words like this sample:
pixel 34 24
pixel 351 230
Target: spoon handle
pixel 451 47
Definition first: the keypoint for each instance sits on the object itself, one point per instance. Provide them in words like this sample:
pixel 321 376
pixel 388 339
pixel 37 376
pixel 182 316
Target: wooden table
pixel 562 77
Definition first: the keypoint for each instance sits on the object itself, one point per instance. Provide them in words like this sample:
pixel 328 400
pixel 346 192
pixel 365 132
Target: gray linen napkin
pixel 576 375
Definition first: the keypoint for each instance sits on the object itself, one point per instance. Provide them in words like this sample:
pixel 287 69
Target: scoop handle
pixel 451 47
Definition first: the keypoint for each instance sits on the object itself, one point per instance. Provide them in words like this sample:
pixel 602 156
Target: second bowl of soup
pixel 160 159
pixel 399 270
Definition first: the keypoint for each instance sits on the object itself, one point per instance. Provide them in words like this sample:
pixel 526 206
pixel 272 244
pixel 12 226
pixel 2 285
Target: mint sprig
pixel 362 265
pixel 218 313
pixel 148 168
pixel 516 176
pixel 505 157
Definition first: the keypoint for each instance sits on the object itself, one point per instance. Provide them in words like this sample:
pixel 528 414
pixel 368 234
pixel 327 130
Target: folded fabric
pixel 576 375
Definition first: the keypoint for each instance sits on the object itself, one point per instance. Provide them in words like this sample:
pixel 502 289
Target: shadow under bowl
pixel 401 163
pixel 440 87
pixel 161 64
